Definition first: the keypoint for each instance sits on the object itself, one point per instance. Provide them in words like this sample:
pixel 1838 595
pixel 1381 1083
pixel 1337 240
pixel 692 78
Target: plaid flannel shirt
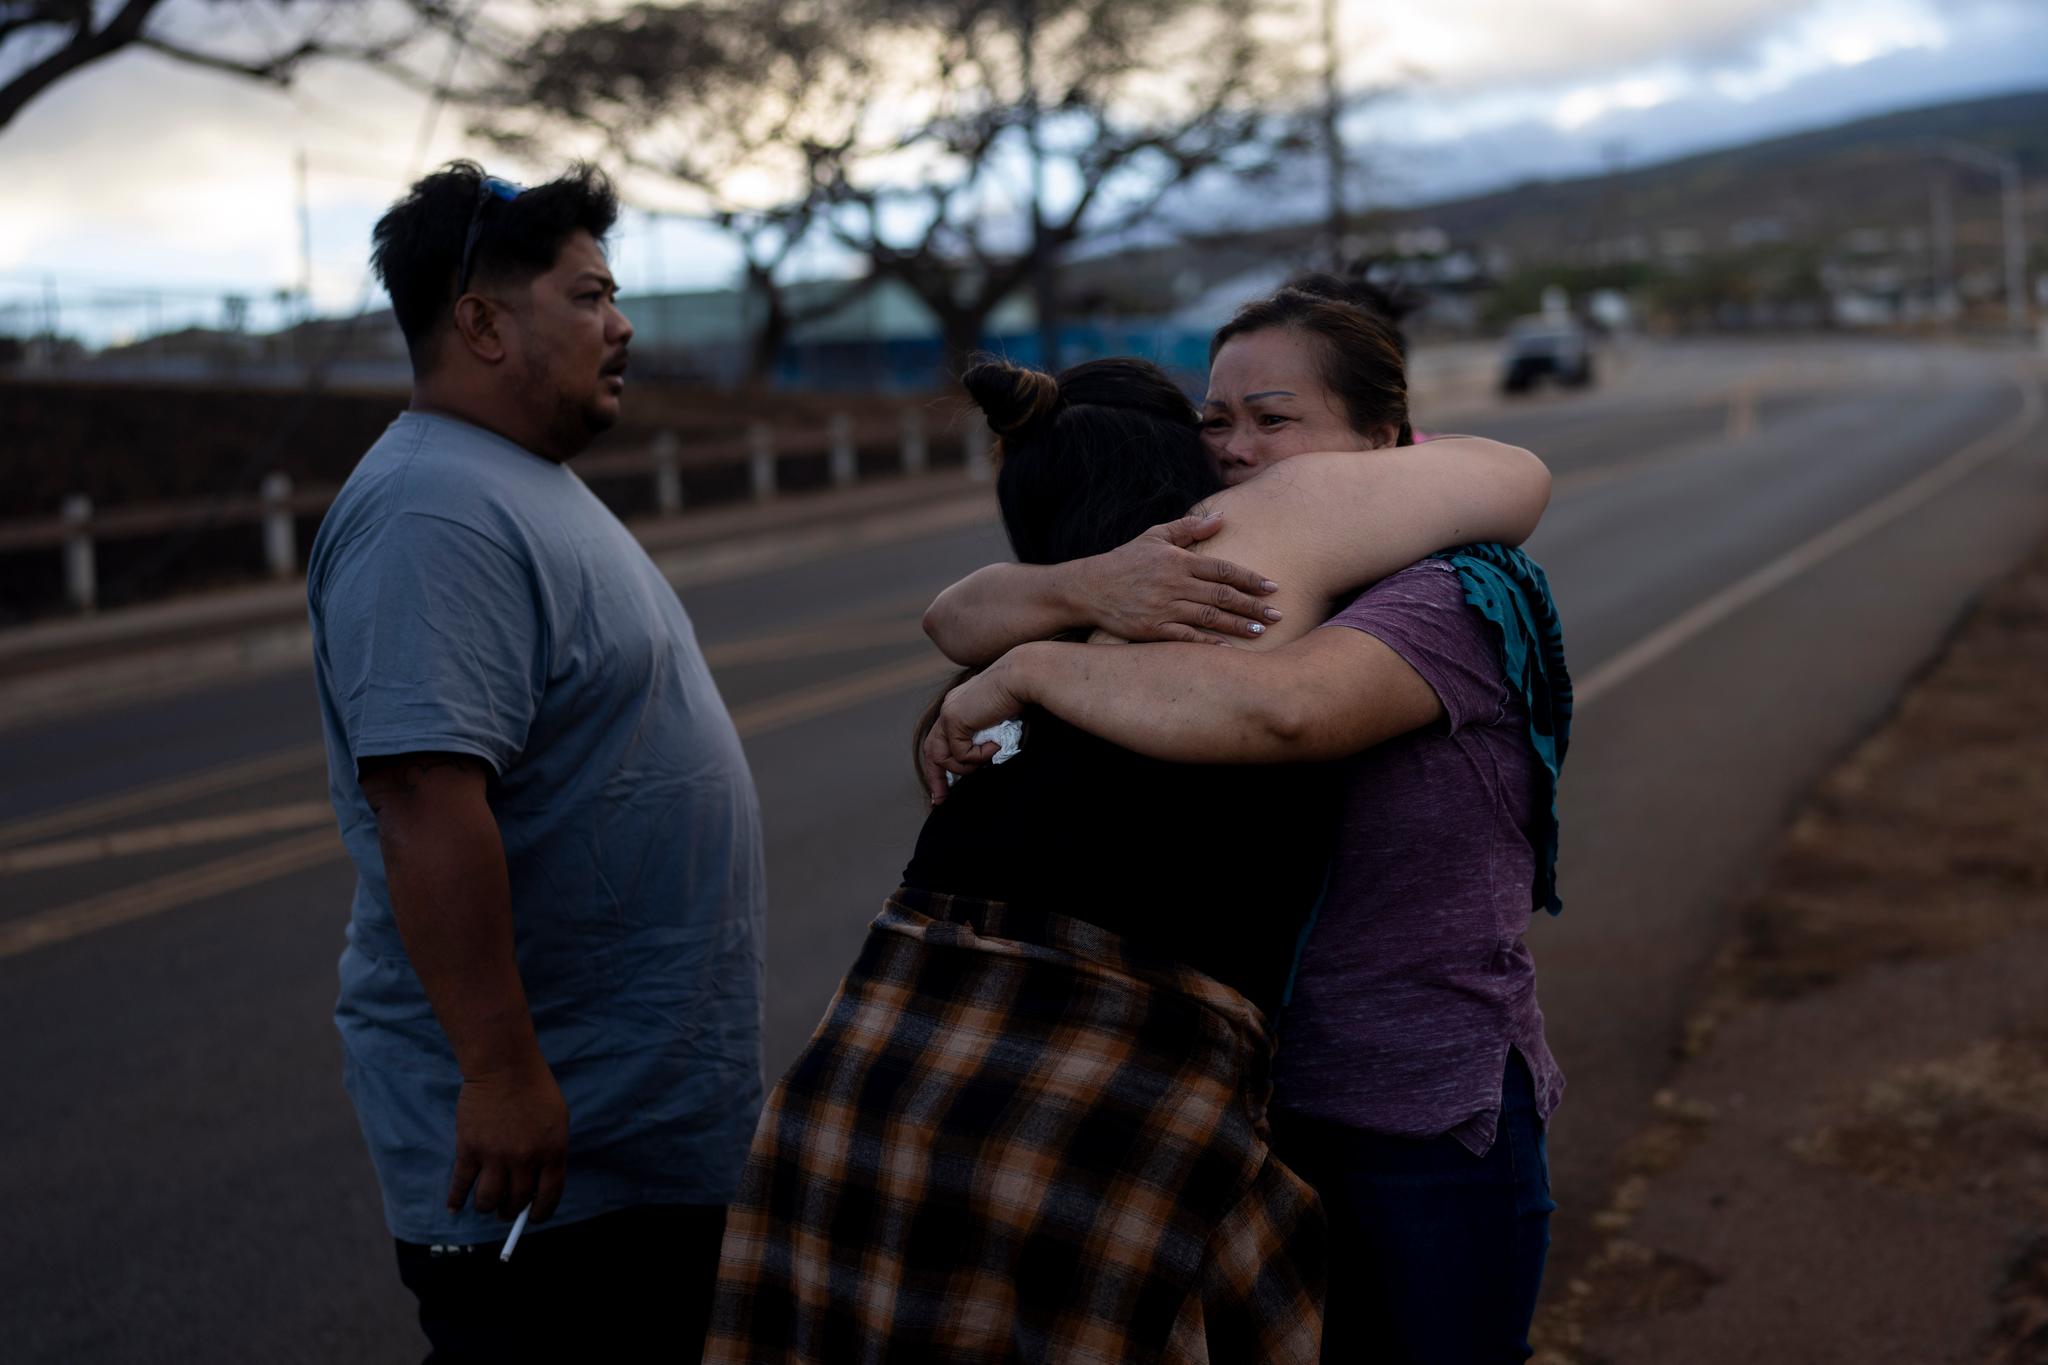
pixel 1012 1140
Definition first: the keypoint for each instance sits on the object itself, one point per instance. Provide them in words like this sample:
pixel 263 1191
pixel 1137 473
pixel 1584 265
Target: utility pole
pixel 2016 310
pixel 305 242
pixel 1607 245
pixel 1333 136
pixel 2007 169
pixel 1944 238
pixel 658 284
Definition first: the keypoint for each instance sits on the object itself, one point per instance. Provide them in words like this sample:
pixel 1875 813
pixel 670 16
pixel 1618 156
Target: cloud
pixel 1467 47
pixel 143 171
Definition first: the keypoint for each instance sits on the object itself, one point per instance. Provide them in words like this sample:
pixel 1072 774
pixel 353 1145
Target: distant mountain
pixel 1874 173
pixel 1865 188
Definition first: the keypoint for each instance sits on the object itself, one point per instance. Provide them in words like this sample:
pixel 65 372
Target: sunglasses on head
pixel 487 189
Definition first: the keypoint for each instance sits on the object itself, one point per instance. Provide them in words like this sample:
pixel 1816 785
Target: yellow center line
pixel 1742 412
pixel 167 892
pixel 157 838
pixel 192 885
pixel 799 644
pixel 812 643
pixel 809 703
pixel 158 795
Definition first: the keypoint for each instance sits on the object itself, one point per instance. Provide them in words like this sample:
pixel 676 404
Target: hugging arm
pixel 1316 526
pixel 1154 588
pixel 1328 523
pixel 1330 694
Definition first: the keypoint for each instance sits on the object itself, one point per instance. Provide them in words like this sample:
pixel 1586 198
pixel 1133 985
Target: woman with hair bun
pixel 1413 1083
pixel 1031 1126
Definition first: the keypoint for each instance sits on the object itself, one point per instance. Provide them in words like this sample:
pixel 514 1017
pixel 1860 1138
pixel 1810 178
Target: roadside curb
pixel 1844 1164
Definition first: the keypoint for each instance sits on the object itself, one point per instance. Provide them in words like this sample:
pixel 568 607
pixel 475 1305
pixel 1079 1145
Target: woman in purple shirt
pixel 1413 1083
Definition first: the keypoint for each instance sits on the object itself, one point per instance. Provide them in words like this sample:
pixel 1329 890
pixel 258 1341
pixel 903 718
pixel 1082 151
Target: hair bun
pixel 1013 398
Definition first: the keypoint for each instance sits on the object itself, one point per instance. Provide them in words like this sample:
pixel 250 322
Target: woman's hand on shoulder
pixel 1158 588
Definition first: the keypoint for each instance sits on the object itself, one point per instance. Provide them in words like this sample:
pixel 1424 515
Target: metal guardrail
pixel 79 527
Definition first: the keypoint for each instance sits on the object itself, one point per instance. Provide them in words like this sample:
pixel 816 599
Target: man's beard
pixel 574 419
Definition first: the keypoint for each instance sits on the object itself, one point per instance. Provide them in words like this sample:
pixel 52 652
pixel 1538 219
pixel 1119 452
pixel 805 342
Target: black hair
pixel 1356 329
pixel 416 246
pixel 1391 302
pixel 1086 461
pixel 1092 458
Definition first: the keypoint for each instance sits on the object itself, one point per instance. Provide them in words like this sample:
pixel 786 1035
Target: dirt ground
pixel 1851 1164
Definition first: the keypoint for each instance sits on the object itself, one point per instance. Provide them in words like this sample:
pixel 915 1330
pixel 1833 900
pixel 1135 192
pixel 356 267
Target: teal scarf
pixel 1508 589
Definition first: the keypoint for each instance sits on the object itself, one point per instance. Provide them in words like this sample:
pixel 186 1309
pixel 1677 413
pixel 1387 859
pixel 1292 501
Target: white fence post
pixel 668 474
pixel 845 462
pixel 81 582
pixel 761 464
pixel 915 457
pixel 975 444
pixel 280 537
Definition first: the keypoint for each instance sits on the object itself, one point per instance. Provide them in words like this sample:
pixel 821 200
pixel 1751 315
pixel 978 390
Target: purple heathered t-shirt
pixel 1414 982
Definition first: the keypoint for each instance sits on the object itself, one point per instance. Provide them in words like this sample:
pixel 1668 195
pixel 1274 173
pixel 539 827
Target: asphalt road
pixel 1754 547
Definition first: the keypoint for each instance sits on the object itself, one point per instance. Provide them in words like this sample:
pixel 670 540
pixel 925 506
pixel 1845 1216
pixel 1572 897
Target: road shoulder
pixel 1851 1163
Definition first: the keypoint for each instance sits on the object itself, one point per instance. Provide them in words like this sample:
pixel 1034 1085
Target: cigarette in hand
pixel 512 1238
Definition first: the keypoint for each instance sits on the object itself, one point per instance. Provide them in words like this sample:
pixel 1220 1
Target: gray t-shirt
pixel 1414 981
pixel 469 596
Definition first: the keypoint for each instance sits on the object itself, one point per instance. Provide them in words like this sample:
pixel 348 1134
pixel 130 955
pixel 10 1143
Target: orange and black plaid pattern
pixel 1010 1140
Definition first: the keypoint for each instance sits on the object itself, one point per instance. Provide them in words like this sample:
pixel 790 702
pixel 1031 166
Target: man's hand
pixel 983 700
pixel 511 1143
pixel 1155 588
pixel 444 861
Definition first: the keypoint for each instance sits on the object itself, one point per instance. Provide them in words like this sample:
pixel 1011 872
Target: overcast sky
pixel 139 172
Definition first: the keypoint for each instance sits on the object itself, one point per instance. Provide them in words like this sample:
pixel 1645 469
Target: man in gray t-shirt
pixel 551 993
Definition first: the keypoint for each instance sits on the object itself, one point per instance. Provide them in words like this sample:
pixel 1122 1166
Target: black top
pixel 1213 866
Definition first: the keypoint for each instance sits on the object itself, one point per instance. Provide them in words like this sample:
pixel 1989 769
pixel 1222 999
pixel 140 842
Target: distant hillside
pixel 1872 173
pixel 1864 188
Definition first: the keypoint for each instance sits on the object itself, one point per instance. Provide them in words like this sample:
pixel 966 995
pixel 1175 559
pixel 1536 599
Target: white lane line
pixel 217 829
pixel 1679 631
pixel 282 763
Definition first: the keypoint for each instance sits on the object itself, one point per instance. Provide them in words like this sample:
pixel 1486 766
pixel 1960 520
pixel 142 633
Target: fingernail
pixel 1256 629
pixel 1269 585
pixel 1272 613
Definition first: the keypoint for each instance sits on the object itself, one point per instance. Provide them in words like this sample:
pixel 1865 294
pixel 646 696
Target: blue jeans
pixel 1436 1255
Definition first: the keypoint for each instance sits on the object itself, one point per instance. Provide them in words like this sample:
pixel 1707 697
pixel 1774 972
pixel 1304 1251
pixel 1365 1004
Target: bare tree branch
pixel 958 147
pixel 84 43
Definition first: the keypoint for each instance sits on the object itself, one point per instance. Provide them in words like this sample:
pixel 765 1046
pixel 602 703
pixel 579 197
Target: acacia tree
pixel 1083 116
pixel 960 147
pixel 44 41
pixel 742 104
